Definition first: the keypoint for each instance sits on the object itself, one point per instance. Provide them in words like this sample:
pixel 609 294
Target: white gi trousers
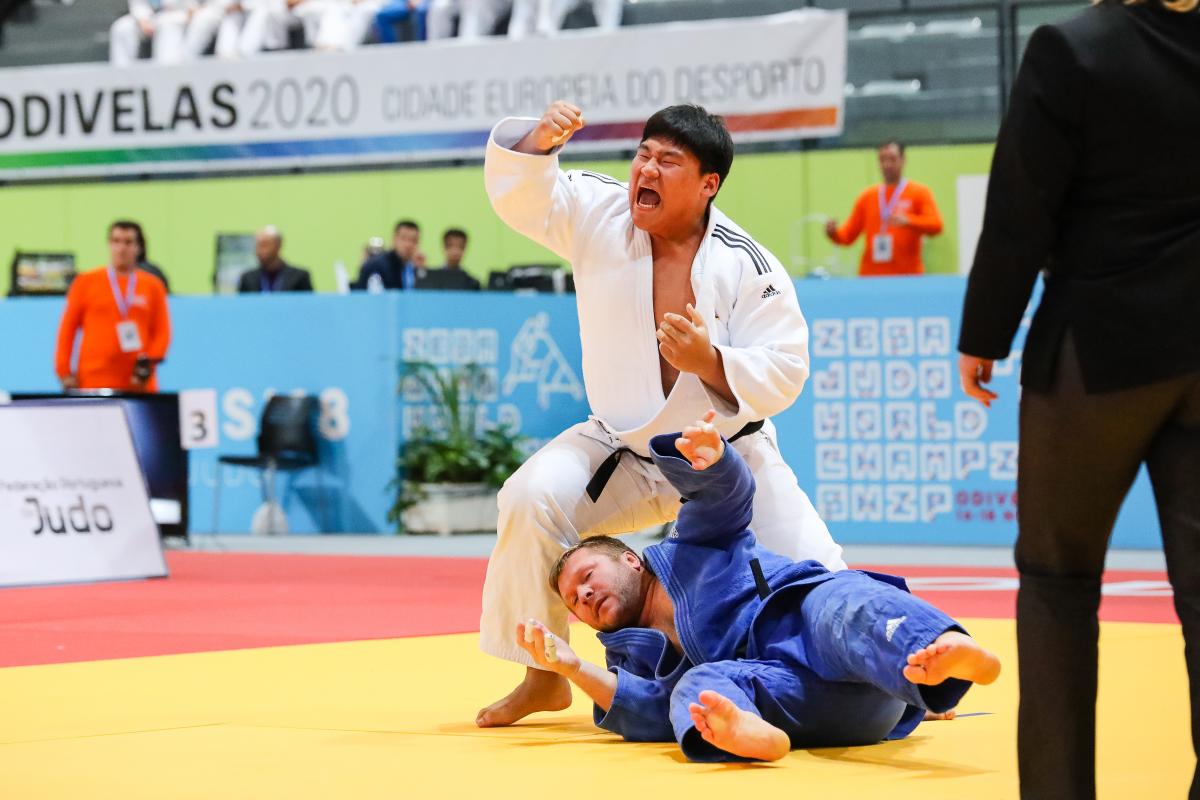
pixel 544 509
pixel 344 25
pixel 267 21
pixel 479 17
pixel 166 43
pixel 552 13
pixel 214 20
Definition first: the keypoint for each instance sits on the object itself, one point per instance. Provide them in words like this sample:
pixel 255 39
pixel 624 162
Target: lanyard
pixel 887 209
pixel 126 302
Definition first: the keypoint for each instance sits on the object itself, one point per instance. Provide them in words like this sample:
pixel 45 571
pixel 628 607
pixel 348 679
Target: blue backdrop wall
pixel 882 439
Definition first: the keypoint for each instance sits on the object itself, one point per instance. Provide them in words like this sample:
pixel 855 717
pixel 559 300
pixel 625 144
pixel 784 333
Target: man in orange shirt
pixel 895 215
pixel 123 314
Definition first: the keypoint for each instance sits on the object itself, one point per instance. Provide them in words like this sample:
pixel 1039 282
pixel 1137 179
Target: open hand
pixel 684 343
pixel 975 372
pixel 533 636
pixel 700 443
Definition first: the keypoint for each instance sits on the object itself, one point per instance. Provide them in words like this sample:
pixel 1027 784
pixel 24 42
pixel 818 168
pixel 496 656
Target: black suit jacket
pixel 291 279
pixel 1096 179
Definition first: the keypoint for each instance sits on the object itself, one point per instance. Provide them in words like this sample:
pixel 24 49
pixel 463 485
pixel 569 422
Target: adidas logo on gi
pixel 770 291
pixel 892 625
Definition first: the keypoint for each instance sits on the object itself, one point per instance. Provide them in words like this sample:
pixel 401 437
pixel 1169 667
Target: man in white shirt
pixel 679 311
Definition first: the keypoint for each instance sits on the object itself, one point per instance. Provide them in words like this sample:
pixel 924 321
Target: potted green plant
pixel 449 470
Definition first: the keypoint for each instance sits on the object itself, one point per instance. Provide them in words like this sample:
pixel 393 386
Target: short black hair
pixel 406 223
pixel 453 232
pixel 899 145
pixel 702 134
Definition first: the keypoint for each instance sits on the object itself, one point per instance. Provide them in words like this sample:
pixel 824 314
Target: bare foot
pixel 540 691
pixel 952 655
pixel 724 725
pixel 940 716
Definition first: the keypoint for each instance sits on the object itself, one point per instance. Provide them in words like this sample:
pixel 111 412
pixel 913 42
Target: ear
pixel 710 184
pixel 632 561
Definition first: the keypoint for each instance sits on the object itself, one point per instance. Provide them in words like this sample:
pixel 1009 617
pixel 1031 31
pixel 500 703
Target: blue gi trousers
pixel 396 12
pixel 828 672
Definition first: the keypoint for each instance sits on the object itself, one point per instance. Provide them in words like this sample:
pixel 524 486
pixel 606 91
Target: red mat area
pixel 227 601
pixel 1129 595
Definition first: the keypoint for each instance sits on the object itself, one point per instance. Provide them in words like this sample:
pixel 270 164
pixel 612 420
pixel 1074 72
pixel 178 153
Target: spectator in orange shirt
pixel 895 214
pixel 122 312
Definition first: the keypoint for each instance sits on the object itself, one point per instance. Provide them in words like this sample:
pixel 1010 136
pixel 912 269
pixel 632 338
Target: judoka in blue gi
pixel 737 652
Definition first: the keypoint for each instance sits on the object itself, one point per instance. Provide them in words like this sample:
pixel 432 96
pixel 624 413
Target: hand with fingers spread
pixel 685 344
pixel 557 125
pixel 548 651
pixel 700 443
pixel 975 372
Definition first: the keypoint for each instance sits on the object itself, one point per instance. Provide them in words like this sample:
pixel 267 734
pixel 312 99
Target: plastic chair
pixel 287 442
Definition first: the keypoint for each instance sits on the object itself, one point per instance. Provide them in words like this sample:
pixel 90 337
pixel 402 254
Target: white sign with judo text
pixel 73 502
pixel 776 77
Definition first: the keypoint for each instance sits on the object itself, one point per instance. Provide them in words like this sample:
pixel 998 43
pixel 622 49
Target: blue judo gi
pixel 818 654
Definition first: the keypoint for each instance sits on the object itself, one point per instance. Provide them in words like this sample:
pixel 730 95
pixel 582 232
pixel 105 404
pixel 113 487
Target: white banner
pixel 776 77
pixel 73 503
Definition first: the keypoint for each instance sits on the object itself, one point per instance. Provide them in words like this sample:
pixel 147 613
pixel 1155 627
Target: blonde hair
pixel 1180 6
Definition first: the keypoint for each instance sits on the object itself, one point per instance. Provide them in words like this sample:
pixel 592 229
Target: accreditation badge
pixel 882 247
pixel 128 336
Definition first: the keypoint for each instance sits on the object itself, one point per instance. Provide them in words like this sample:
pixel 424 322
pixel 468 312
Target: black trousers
pixel 1079 455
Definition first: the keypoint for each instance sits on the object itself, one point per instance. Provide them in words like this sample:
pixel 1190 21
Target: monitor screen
pixel 235 255
pixel 154 425
pixel 42 273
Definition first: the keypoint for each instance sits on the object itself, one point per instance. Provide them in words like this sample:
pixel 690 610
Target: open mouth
pixel 648 198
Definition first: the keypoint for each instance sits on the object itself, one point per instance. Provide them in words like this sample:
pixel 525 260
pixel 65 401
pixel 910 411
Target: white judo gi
pixel 749 306
pixel 169 19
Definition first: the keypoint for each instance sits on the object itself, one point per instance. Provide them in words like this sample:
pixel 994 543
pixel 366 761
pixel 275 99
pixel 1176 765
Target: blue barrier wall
pixel 882 439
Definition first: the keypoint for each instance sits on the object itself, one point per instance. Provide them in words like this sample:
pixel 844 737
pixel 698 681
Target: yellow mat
pixel 392 719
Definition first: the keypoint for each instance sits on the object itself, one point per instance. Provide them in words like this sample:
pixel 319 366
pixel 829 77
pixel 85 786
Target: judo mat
pixel 349 677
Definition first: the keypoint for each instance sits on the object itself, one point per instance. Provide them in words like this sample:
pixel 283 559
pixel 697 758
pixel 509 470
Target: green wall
pixel 328 217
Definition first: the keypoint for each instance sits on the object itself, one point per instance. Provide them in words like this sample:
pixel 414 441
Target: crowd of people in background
pixel 404 266
pixel 184 30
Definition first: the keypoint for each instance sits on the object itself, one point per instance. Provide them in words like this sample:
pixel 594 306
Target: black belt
pixel 604 473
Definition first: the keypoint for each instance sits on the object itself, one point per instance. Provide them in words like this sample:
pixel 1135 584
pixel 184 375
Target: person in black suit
pixel 452 276
pixel 397 268
pixel 273 273
pixel 1095 183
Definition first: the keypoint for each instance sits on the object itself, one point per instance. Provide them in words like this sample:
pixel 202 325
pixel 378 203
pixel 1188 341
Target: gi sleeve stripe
pixel 737 237
pixel 754 256
pixel 603 178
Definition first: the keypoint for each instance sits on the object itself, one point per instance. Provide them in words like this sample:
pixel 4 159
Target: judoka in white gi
pixel 162 22
pixel 680 310
pixel 736 652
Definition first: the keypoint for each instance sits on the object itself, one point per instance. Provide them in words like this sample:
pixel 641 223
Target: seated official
pixel 452 276
pixel 273 273
pixel 397 268
pixel 737 652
